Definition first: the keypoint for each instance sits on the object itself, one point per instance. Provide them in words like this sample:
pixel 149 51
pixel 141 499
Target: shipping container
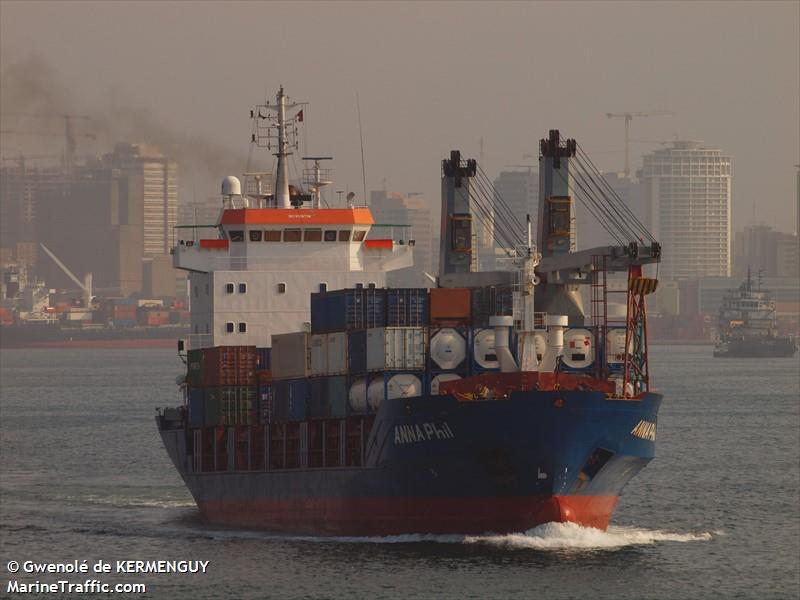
pixel 229 365
pixel 396 348
pixel 490 301
pixel 357 394
pixel 265 403
pixel 484 355
pixel 290 399
pixel 345 310
pixel 448 348
pixel 357 351
pixel 406 307
pixel 196 408
pixel 212 399
pixel 449 305
pixel 329 397
pixel 290 355
pixel 336 353
pixel 387 386
pixel 238 404
pixel 328 354
pixel 318 354
pixel 124 323
pixel 194 367
pixel 263 362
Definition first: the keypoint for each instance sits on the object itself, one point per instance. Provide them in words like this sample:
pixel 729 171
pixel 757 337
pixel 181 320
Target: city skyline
pixel 504 97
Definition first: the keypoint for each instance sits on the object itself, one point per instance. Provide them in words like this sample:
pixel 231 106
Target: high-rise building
pixel 159 179
pixel 392 208
pixel 764 250
pixel 21 186
pixel 687 195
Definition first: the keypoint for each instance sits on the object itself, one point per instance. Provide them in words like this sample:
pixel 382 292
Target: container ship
pixel 748 325
pixel 316 400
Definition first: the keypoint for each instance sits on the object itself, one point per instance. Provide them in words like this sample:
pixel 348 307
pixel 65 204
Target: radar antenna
pixel 272 130
pixel 316 178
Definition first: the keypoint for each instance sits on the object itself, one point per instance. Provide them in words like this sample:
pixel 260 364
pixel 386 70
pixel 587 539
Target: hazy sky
pixel 432 77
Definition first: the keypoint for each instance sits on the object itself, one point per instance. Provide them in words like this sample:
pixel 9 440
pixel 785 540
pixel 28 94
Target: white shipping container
pixel 401 348
pixel 336 353
pixel 290 355
pixel 319 355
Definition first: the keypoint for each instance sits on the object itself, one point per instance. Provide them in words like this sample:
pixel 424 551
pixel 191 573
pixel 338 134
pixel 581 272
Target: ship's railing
pixel 399 234
pixel 192 233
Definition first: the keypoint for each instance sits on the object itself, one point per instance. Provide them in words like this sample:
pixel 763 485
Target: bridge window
pixel 272 235
pixel 359 235
pixel 242 327
pixel 291 235
pixel 229 327
pixel 255 235
pixel 344 235
pixel 312 235
pixel 237 236
pixel 242 288
pixel 330 235
pixel 228 288
pixel 281 288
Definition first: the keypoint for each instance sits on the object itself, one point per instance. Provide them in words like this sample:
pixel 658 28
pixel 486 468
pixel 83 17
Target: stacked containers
pixel 395 360
pixel 124 314
pixel 450 312
pixel 291 365
pixel 448 356
pixel 346 310
pixel 338 349
pixel 229 384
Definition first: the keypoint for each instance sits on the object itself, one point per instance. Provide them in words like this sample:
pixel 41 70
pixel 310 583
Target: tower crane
pixel 629 116
pixel 69 134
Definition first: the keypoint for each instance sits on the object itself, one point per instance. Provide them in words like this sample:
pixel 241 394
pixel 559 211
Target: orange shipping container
pixel 450 304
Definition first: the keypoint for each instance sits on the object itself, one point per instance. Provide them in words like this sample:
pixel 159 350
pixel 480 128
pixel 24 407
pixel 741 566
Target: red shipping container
pixel 229 365
pixel 450 305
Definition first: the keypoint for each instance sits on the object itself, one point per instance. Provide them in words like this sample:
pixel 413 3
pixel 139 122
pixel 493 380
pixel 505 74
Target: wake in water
pixel 549 536
pixel 561 536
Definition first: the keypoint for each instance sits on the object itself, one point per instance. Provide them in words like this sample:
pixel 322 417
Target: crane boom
pixel 85 285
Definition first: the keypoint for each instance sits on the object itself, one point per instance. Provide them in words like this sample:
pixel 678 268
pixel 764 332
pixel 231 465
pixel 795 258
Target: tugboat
pixel 319 401
pixel 748 325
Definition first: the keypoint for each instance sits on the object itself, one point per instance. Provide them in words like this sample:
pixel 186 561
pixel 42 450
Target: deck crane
pixel 629 116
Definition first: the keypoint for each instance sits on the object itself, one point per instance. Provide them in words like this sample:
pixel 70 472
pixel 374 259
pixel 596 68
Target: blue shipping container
pixel 291 399
pixel 357 351
pixel 345 310
pixel 406 307
pixel 196 403
pixel 264 359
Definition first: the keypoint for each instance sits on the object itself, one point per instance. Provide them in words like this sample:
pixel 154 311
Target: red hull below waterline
pixel 395 516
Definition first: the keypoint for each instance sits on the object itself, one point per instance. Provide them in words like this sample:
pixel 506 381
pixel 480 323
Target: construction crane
pixel 629 116
pixel 85 285
pixel 69 134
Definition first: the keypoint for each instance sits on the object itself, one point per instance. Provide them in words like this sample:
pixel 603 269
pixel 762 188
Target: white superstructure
pixel 251 275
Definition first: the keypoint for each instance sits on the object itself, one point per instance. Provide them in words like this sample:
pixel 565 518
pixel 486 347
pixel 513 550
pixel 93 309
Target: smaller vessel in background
pixel 748 325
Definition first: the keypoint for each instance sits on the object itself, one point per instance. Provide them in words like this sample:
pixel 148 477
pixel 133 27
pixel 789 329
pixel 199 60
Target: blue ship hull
pixel 437 465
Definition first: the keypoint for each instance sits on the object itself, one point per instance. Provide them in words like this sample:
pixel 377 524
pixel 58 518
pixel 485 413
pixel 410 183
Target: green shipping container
pixel 212 397
pixel 194 367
